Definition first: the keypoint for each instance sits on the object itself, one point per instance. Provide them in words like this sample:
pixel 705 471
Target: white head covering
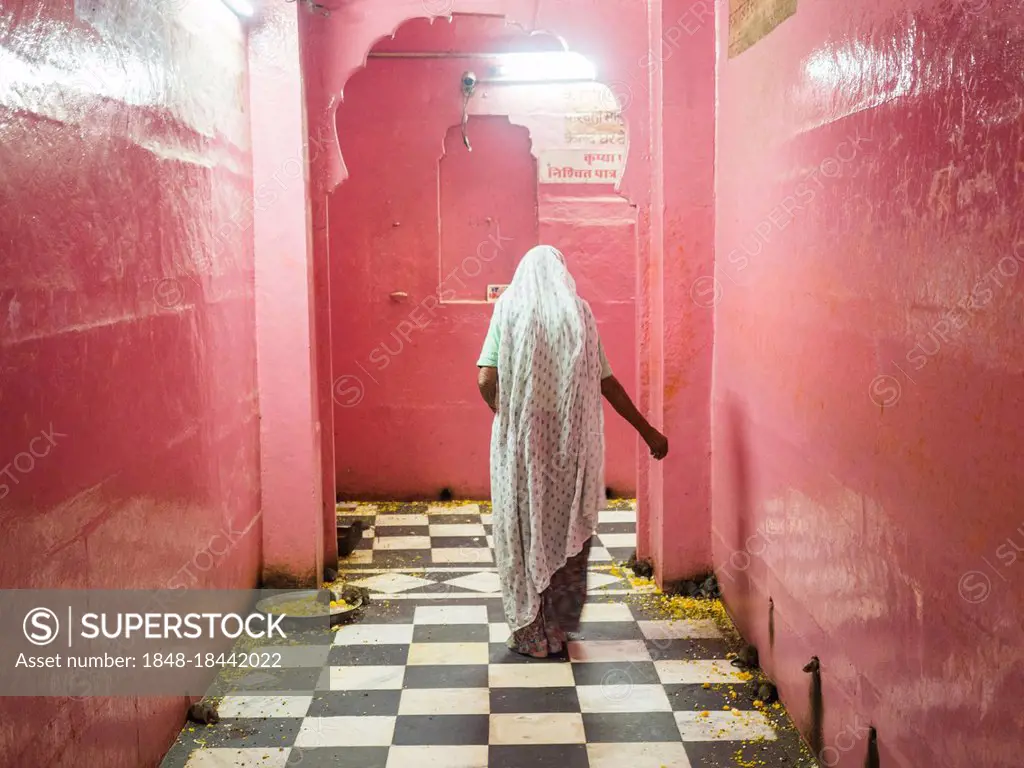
pixel 547 442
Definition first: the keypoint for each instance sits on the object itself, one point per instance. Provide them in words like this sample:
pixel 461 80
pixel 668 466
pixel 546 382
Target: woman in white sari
pixel 543 372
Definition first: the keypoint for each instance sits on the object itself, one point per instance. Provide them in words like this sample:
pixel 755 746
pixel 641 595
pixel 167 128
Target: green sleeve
pixel 489 354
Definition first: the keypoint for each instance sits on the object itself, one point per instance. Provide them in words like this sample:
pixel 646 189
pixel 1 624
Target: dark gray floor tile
pixel 511 700
pixel 442 729
pixel 239 733
pixel 368 655
pixel 539 756
pixel 616 673
pixel 621 728
pixel 446 676
pixel 355 703
pixel 687 649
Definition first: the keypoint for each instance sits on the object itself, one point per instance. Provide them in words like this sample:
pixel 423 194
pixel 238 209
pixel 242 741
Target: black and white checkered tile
pixel 423 679
pixel 422 534
pixel 434 686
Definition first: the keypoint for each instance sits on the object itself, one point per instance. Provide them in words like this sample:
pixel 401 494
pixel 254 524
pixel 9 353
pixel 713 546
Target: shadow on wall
pixel 738 434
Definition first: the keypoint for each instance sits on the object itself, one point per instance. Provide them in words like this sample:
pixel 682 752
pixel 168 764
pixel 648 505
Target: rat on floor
pixel 349 537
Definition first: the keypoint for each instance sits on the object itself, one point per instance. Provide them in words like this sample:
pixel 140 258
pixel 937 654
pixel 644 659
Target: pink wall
pixel 868 392
pixel 127 333
pixel 681 66
pixel 294 542
pixel 612 34
pixel 404 222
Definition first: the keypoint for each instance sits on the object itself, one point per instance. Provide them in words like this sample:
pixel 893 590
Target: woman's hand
pixel 658 444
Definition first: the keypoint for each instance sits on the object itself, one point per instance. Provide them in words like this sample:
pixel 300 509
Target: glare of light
pixel 543 66
pixel 241 8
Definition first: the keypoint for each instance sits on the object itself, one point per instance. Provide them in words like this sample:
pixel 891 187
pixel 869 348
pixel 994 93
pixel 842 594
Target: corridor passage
pixel 423 678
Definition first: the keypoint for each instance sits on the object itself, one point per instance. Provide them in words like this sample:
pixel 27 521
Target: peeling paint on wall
pixel 751 20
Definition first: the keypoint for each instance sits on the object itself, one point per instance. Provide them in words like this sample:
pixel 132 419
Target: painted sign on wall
pixel 597 128
pixel 581 166
pixel 750 20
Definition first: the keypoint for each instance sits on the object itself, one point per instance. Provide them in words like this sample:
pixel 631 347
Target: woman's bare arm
pixel 488 383
pixel 620 401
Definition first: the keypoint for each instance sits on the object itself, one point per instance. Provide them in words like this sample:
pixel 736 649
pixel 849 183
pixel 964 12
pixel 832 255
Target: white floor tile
pixel 253 757
pixel 599 555
pixel 403 520
pixel 544 675
pixel 650 755
pixel 401 542
pixel 608 650
pixel 438 757
pixel 617 540
pixel 547 728
pixel 486 581
pixel 447 555
pixel 624 697
pixel 616 516
pixel 430 654
pixel 487 519
pixel 682 629
pixel 368 533
pixel 392 583
pixel 606 612
pixel 374 634
pixel 445 701
pixel 455 509
pixel 367 678
pixel 499 632
pixel 264 706
pixel 490 541
pixel 724 726
pixel 696 671
pixel 597 580
pixel 468 529
pixel 450 614
pixel 369 731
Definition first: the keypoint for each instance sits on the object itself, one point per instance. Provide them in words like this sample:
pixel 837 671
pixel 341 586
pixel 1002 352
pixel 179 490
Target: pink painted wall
pixel 681 66
pixel 295 546
pixel 404 222
pixel 613 34
pixel 868 391
pixel 128 380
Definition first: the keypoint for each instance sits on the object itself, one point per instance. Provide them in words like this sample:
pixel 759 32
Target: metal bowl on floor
pixel 306 609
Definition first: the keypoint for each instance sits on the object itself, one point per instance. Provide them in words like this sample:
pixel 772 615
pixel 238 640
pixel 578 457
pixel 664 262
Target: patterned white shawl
pixel 547 441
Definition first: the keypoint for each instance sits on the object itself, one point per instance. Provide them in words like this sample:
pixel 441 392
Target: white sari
pixel 547 441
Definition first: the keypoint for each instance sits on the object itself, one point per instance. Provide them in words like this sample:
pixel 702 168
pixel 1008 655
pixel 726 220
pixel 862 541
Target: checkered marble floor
pixel 411 535
pixel 423 679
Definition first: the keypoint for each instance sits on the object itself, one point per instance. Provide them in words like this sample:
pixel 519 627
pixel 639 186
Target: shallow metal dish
pixel 278 606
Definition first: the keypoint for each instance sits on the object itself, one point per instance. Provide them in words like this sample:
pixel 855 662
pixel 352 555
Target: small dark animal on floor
pixel 641 568
pixel 330 575
pixel 703 589
pixel 767 692
pixel 352 594
pixel 349 537
pixel 709 588
pixel 746 658
pixel 203 713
